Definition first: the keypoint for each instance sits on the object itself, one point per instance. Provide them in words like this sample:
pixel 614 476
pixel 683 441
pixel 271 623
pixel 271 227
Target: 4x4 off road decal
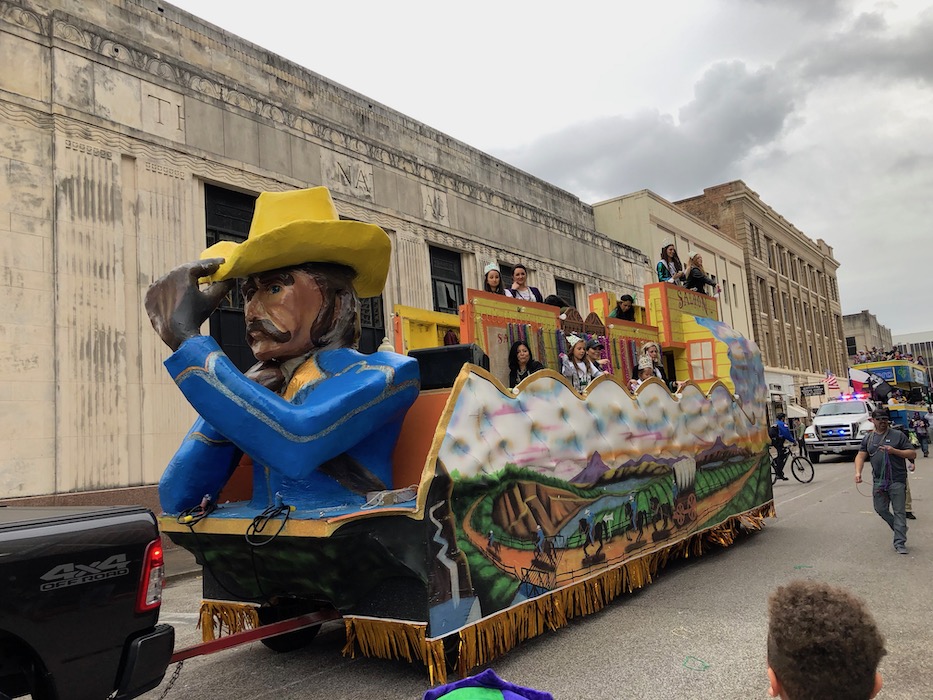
pixel 65 575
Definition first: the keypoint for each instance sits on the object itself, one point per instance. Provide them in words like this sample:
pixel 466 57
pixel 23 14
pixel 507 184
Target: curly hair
pixel 823 643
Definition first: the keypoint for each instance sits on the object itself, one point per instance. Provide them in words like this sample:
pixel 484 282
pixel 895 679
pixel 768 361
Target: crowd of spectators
pixel 881 355
pixel 585 359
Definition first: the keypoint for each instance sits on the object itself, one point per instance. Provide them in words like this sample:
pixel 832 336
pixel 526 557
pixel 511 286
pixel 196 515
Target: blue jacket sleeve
pixel 326 418
pixel 202 465
pixel 785 433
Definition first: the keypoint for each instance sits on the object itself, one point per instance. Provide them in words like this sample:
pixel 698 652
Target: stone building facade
pixel 132 132
pixel 864 332
pixel 796 315
pixel 648 222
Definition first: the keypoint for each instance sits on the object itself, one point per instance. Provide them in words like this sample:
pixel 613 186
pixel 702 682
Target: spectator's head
pixel 576 348
pixel 669 252
pixel 696 260
pixel 554 300
pixel 881 418
pixel 625 302
pixel 519 355
pixel 520 276
pixel 823 644
pixel 652 350
pixel 645 367
pixel 492 281
pixel 781 416
pixel 594 349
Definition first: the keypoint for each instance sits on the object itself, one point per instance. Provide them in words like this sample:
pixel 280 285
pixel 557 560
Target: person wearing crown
pixel 318 419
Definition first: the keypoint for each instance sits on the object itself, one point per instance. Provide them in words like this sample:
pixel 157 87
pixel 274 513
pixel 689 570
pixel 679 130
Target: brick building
pixel 796 315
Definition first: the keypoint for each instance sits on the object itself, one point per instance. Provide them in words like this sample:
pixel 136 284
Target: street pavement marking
pixel 695 664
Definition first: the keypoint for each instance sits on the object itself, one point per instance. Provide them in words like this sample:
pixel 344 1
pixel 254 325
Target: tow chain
pixel 171 681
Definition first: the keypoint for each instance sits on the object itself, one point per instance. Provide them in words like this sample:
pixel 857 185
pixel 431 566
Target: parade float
pixel 882 379
pixel 507 512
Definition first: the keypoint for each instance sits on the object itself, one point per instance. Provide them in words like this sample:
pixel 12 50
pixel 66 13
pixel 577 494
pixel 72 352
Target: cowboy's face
pixel 281 307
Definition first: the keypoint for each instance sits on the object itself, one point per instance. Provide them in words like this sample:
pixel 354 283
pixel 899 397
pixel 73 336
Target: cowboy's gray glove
pixel 176 304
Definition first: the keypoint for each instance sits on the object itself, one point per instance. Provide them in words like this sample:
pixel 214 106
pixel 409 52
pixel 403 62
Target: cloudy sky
pixel 823 107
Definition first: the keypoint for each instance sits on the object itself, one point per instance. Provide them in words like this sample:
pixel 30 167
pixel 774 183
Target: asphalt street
pixel 697 632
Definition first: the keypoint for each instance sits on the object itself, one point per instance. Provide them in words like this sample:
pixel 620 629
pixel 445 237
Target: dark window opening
pixel 505 272
pixel 228 215
pixel 566 291
pixel 446 280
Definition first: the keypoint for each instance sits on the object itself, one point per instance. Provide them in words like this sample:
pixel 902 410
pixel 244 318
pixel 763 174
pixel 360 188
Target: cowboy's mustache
pixel 265 327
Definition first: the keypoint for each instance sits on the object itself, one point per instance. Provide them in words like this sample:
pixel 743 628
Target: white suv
pixel 839 426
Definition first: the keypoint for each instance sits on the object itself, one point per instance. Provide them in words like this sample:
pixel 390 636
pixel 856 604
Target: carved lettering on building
pixel 347 175
pixel 88 149
pixel 168 113
pixel 434 205
pixel 163 112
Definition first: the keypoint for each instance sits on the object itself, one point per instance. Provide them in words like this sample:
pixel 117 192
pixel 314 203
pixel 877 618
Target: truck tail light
pixel 153 577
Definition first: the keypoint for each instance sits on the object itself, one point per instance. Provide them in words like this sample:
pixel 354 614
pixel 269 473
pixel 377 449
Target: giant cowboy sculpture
pixel 318 419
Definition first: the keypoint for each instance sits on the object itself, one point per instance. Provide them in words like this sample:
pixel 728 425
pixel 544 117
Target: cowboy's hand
pixel 177 306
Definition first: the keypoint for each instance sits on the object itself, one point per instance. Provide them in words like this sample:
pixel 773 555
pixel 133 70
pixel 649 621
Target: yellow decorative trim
pixel 222 618
pixel 323 527
pixel 390 639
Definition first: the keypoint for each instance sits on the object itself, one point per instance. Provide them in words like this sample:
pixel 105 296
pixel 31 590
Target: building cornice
pixel 119 53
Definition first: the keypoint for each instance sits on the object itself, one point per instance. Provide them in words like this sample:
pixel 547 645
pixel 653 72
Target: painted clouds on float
pixel 549 429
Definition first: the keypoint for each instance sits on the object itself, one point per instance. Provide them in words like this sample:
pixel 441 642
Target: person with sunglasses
pixel 888 450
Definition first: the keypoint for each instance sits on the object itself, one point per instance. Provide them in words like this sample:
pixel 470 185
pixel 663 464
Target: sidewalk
pixel 180 563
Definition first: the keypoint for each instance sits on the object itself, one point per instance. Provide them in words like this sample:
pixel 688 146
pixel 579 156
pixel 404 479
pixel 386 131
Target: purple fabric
pixel 489 679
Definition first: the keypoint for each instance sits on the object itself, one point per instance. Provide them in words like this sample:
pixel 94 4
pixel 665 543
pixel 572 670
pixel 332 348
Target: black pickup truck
pixel 80 591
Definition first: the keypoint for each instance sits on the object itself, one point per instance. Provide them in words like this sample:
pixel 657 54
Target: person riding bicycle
pixel 779 432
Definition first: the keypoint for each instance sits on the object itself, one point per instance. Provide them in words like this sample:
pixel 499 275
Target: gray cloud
pixel 734 110
pixel 820 10
pixel 870 49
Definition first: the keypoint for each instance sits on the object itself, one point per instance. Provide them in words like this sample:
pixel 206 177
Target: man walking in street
pixel 888 450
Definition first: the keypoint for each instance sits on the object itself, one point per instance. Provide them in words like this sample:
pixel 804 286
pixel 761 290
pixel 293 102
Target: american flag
pixel 831 381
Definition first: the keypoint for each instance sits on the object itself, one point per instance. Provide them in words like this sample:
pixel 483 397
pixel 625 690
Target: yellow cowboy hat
pixel 302 226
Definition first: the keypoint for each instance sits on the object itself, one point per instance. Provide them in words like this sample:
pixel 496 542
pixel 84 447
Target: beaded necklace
pixel 877 443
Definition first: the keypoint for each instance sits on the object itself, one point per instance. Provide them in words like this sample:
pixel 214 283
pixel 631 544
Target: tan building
pixel 864 332
pixel 795 311
pixel 133 135
pixel 648 221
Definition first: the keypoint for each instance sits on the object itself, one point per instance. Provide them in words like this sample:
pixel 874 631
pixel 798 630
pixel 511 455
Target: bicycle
pixel 800 467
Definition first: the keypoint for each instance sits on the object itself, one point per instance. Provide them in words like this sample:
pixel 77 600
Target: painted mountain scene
pixel 550 487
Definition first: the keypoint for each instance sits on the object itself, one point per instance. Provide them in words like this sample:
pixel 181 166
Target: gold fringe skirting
pixel 221 618
pixel 480 642
pixel 392 639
